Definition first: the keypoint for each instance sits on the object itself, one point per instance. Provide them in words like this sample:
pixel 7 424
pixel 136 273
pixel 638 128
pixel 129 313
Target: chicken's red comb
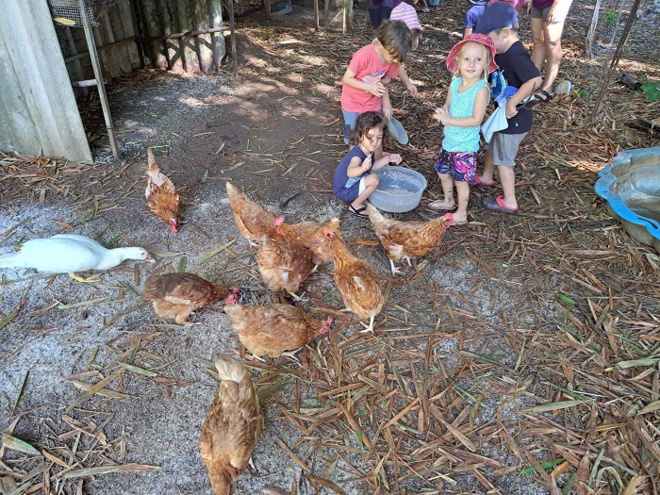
pixel 278 221
pixel 449 219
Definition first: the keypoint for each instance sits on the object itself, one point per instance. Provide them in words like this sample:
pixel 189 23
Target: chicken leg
pixel 369 327
pixel 88 280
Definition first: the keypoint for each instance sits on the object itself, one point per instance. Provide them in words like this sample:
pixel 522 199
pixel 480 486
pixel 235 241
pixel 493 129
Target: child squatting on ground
pixel 364 85
pixel 354 179
pixel 518 73
pixel 470 61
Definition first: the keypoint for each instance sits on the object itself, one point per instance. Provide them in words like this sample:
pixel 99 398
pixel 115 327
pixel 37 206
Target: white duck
pixel 69 253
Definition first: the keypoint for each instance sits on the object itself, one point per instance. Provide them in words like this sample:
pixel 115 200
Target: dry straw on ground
pixel 563 386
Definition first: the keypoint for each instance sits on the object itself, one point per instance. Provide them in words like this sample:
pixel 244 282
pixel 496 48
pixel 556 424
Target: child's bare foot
pixel 442 205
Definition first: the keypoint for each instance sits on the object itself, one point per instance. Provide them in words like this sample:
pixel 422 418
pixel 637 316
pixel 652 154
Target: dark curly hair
pixel 364 122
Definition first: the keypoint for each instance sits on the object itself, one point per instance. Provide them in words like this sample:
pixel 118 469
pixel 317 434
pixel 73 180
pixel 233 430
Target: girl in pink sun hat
pixel 470 61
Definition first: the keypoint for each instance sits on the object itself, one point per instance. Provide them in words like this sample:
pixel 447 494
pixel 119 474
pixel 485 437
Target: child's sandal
pixel 441 205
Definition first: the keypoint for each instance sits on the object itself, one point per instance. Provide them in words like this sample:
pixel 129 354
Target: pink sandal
pixel 497 204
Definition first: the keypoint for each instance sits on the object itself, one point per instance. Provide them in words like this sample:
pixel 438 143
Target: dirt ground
pixel 473 332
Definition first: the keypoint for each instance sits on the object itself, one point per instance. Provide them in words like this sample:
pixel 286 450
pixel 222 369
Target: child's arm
pixel 358 167
pixel 523 92
pixel 386 159
pixel 376 88
pixel 387 105
pixel 403 75
pixel 478 112
pixel 444 109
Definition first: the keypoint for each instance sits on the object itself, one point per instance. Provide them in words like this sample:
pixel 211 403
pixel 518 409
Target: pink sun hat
pixel 475 38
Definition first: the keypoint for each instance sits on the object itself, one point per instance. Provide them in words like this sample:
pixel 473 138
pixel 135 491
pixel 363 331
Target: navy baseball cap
pixel 497 15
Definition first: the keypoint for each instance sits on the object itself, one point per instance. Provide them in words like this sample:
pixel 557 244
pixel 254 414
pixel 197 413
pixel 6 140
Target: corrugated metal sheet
pixel 38 112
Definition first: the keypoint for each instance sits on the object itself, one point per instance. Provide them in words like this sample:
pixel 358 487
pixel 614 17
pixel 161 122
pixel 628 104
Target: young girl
pixel 471 61
pixel 354 179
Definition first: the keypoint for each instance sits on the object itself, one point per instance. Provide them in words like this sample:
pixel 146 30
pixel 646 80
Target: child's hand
pixel 442 115
pixel 367 163
pixel 377 88
pixel 511 110
pixel 412 89
pixel 394 158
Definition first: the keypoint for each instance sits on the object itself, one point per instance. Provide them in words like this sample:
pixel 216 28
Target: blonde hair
pixel 487 59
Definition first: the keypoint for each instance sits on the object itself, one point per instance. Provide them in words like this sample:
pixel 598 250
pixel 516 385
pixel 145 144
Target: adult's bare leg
pixel 538 49
pixel 552 35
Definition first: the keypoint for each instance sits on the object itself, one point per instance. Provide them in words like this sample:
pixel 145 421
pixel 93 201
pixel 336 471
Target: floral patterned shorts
pixel 461 166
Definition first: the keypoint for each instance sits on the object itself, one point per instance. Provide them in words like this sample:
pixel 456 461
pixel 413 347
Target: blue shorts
pixel 461 166
pixel 349 124
pixel 350 194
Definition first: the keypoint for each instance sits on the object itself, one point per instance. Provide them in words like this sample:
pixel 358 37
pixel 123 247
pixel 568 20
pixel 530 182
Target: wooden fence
pixel 180 35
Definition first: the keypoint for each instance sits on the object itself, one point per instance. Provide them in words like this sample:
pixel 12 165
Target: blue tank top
pixel 462 139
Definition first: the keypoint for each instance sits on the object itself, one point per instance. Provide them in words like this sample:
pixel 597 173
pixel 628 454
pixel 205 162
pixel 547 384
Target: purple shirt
pixel 542 4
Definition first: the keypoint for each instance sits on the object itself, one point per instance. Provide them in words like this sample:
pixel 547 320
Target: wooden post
pixel 317 21
pixel 326 12
pixel 232 34
pixel 98 75
pixel 266 7
pixel 137 29
pixel 343 17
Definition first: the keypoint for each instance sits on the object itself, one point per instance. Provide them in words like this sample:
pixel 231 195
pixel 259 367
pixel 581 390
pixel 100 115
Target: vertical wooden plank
pixel 232 27
pixel 217 39
pixel 203 41
pixel 68 47
pixel 171 26
pixel 145 48
pixel 191 61
pixel 151 22
pixel 317 21
pixel 326 12
pixel 108 58
pixel 123 15
pixel 267 7
pixel 121 27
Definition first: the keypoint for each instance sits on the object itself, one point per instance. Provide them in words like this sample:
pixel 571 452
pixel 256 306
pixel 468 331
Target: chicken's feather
pixel 275 329
pixel 162 196
pixel 253 220
pixel 232 427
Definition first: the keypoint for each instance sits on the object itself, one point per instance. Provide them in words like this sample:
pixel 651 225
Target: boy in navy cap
pixel 521 77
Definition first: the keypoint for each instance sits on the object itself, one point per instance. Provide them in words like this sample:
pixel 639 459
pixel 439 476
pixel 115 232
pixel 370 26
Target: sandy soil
pixel 278 141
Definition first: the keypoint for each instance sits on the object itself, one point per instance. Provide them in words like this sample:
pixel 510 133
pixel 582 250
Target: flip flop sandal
pixel 479 182
pixel 357 213
pixel 441 205
pixel 541 96
pixel 497 204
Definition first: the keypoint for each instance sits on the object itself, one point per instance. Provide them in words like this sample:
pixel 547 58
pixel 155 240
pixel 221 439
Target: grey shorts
pixel 349 124
pixel 505 148
pixel 560 14
pixel 536 13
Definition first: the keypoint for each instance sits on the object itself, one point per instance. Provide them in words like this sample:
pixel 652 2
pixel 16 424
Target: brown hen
pixel 253 220
pixel 176 295
pixel 273 330
pixel 283 265
pixel 162 198
pixel 232 427
pixel 403 240
pixel 358 283
pixel 310 235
